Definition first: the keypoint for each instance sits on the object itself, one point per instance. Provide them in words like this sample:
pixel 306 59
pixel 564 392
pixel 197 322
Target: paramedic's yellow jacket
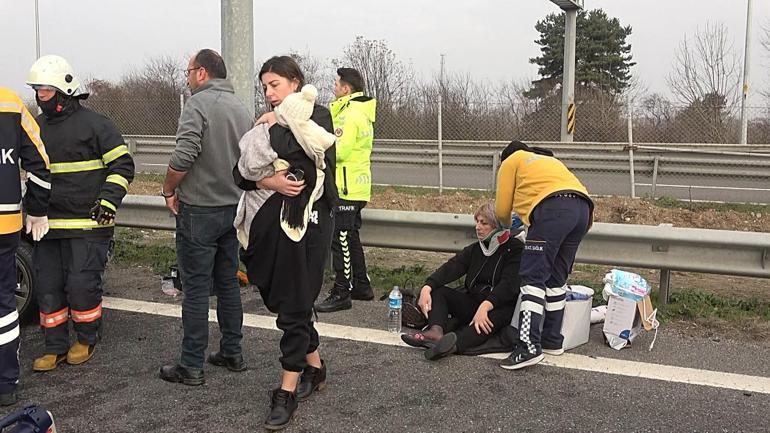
pixel 526 178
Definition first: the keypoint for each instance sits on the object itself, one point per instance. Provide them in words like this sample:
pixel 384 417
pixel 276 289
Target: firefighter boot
pixel 48 362
pixel 79 353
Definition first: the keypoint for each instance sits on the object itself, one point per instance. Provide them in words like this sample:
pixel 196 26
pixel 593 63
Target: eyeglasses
pixel 187 72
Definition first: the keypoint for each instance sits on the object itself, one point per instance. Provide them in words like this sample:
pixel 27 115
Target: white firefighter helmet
pixel 55 72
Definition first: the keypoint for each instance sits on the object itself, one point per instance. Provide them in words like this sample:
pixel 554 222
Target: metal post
pixel 746 64
pixel 181 104
pixel 495 167
pixel 665 283
pixel 655 174
pixel 631 151
pixel 237 28
pixel 37 31
pixel 440 129
pixel 568 79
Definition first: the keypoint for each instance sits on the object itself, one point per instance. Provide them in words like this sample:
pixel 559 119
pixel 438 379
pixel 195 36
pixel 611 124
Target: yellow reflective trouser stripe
pixel 118 179
pixel 73 167
pixel 108 205
pixel 115 153
pixel 76 224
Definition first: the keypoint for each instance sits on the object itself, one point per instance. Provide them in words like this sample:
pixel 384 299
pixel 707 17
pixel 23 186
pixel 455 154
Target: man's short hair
pixel 352 78
pixel 212 62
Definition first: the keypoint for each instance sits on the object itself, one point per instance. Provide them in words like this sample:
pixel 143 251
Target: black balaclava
pixel 59 105
pixel 516 145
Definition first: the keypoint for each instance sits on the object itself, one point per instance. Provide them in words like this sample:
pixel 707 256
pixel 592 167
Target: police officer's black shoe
pixel 8 399
pixel 178 374
pixel 338 299
pixel 283 404
pixel 233 363
pixel 360 293
pixel 312 379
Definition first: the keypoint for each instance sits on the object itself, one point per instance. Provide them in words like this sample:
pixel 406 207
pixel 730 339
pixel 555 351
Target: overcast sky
pixel 491 40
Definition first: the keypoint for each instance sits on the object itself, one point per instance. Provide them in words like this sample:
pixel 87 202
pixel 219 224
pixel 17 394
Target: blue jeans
pixel 207 254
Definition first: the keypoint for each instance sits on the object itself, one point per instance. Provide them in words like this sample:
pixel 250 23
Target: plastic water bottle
pixel 394 310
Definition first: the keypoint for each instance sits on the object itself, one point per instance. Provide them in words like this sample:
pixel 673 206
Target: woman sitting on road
pixel 488 299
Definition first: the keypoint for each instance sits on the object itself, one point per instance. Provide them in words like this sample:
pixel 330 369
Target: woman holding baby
pixel 285 222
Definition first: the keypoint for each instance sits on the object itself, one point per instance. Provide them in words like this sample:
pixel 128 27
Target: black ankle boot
pixel 312 379
pixel 282 406
pixel 338 300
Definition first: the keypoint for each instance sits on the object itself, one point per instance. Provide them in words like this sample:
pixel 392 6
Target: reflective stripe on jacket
pixel 353 117
pixel 20 148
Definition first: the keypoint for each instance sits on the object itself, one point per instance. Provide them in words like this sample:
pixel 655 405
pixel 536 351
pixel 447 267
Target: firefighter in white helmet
pixel 90 173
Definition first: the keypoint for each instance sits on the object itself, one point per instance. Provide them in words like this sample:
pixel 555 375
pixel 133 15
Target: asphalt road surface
pixel 376 385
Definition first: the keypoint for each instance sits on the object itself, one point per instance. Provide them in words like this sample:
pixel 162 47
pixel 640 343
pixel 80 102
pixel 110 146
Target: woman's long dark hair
pixel 284 66
pixel 294 207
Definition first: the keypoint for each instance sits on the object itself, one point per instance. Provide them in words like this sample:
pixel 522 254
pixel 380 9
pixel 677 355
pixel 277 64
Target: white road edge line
pixel 691 376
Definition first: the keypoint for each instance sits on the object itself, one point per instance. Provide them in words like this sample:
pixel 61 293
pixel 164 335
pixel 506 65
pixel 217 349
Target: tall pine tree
pixel 602 55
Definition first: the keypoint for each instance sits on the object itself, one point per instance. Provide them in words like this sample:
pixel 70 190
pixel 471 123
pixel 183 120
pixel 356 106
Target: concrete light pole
pixel 570 8
pixel 745 86
pixel 237 28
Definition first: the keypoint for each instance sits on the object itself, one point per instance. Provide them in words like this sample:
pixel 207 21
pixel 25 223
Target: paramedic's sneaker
pixel 519 360
pixel 553 352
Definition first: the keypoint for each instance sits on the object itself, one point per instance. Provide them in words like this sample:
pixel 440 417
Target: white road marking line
pixel 691 376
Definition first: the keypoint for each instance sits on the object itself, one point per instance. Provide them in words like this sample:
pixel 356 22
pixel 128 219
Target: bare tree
pixel 387 79
pixel 705 64
pixel 705 78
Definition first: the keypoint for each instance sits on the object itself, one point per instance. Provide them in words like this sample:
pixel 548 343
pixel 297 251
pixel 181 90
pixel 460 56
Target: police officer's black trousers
pixel 347 252
pixel 9 318
pixel 69 284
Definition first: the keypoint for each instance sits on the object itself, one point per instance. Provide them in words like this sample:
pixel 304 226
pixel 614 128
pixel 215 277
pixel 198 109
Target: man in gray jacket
pixel 199 189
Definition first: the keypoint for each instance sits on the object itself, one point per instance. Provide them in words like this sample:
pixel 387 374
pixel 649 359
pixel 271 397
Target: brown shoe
pixel 48 362
pixel 79 353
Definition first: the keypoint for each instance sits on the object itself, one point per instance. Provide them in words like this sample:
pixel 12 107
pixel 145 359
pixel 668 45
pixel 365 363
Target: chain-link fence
pixel 596 121
pixel 685 151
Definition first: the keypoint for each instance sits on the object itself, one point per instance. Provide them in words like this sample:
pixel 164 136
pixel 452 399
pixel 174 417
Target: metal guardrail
pixel 661 247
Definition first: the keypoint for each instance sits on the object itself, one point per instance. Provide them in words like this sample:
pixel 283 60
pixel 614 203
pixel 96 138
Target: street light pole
pixel 237 33
pixel 745 87
pixel 37 31
pixel 570 8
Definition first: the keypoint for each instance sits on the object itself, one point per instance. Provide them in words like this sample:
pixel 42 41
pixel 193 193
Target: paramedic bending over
pixel 555 206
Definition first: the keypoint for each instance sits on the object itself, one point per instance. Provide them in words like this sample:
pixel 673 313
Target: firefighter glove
pixel 38 226
pixel 102 214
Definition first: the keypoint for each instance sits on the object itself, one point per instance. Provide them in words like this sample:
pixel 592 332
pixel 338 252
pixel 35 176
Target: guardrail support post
pixel 665 283
pixel 131 146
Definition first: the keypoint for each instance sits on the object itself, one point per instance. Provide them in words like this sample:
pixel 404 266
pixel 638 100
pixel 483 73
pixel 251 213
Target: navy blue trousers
pixel 557 225
pixel 9 318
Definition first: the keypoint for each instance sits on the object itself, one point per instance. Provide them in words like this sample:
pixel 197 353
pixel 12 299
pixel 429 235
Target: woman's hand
pixel 268 118
pixel 481 319
pixel 425 302
pixel 280 184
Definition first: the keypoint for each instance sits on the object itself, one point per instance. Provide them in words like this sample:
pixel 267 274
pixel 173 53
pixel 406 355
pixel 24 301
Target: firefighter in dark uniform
pixel 90 173
pixel 19 143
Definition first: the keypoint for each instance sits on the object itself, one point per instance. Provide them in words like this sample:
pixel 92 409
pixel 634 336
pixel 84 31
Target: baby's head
pixel 297 106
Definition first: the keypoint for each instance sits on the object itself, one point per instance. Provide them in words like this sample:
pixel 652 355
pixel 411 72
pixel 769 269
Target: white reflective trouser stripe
pixel 8 336
pixel 533 291
pixel 10 207
pixel 555 291
pixel 9 318
pixel 532 306
pixel 39 182
pixel 555 306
